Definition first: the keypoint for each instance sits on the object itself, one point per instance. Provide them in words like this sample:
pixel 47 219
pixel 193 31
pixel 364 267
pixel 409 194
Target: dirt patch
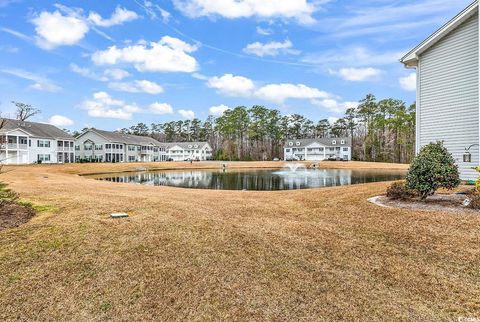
pixel 438 202
pixel 13 215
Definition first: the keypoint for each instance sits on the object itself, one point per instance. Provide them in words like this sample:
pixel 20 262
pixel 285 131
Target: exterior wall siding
pixel 448 97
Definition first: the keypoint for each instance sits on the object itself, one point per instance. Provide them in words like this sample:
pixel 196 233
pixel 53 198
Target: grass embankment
pixel 324 254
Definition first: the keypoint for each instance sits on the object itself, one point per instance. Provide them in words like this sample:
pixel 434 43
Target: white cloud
pixel 333 105
pixel 60 121
pixel 161 108
pixel 54 29
pixel 264 31
pixel 333 119
pixel 409 83
pixel 109 74
pixel 16 33
pixel 279 93
pixel 116 73
pixel 102 105
pixel 300 10
pixel 358 74
pixel 188 114
pixel 168 55
pixel 119 16
pixel 85 72
pixel 273 48
pixel 151 9
pixel 231 85
pixel 353 56
pixel 39 82
pixel 137 86
pixel 46 87
pixel 218 110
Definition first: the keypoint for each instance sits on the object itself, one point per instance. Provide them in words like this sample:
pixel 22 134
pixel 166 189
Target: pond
pixel 258 179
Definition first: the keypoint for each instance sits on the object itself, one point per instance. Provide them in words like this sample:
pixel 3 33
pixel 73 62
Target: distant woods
pixel 381 131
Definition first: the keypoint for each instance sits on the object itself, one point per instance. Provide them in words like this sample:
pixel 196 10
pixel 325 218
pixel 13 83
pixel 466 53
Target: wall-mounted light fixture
pixel 467 156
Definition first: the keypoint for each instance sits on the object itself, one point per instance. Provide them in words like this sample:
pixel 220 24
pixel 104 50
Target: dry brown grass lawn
pixel 324 254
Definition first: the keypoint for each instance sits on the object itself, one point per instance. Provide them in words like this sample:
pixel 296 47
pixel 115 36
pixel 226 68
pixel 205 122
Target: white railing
pixel 65 149
pixel 13 146
pixel 114 150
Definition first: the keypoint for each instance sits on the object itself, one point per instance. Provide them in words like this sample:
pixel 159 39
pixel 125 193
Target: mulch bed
pixel 13 215
pixel 437 202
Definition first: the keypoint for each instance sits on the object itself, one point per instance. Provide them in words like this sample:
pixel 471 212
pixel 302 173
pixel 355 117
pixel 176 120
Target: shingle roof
pixel 40 130
pixel 127 138
pixel 187 145
pixel 322 141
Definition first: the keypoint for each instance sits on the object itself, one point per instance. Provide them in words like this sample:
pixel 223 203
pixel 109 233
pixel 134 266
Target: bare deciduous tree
pixel 25 111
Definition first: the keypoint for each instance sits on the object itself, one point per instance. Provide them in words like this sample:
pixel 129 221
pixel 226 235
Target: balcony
pixel 114 151
pixel 65 149
pixel 13 146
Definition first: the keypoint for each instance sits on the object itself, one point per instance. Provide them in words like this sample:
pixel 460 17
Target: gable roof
pixel 39 130
pixel 124 138
pixel 187 145
pixel 322 141
pixel 411 59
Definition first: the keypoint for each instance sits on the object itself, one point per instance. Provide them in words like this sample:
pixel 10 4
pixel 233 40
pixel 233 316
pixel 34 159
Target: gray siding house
pixel 105 146
pixel 447 65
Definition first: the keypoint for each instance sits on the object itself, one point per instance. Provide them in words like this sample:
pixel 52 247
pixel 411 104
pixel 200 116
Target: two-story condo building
pixel 198 151
pixel 318 149
pixel 105 146
pixel 23 142
pixel 448 89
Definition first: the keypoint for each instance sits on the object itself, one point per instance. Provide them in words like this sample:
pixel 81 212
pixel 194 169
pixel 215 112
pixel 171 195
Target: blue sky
pixel 111 64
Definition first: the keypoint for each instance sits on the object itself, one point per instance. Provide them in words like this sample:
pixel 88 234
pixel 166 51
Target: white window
pixel 87 147
pixel 345 149
pixel 43 157
pixel 98 147
pixel 287 150
pixel 77 147
pixel 43 143
pixel 334 142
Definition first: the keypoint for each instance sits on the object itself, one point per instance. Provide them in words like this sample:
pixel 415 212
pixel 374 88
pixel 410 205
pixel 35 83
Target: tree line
pixel 381 131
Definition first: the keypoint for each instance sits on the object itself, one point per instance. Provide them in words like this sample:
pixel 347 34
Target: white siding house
pixel 23 142
pixel 197 151
pixel 318 149
pixel 447 65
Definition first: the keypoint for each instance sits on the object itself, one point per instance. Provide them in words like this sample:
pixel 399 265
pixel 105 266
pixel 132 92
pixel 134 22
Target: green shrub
pixel 433 168
pixel 7 196
pixel 399 191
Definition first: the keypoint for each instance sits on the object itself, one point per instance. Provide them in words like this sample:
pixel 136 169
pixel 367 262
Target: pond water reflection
pixel 255 179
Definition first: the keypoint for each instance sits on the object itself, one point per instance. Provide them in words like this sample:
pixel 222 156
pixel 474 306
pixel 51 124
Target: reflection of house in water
pixel 191 179
pixel 256 179
pixel 317 178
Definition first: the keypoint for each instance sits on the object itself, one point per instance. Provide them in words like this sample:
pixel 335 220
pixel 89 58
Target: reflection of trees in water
pixel 256 179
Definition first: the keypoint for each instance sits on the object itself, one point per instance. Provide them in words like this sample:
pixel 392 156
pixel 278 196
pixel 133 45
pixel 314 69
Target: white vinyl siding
pixel 448 98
